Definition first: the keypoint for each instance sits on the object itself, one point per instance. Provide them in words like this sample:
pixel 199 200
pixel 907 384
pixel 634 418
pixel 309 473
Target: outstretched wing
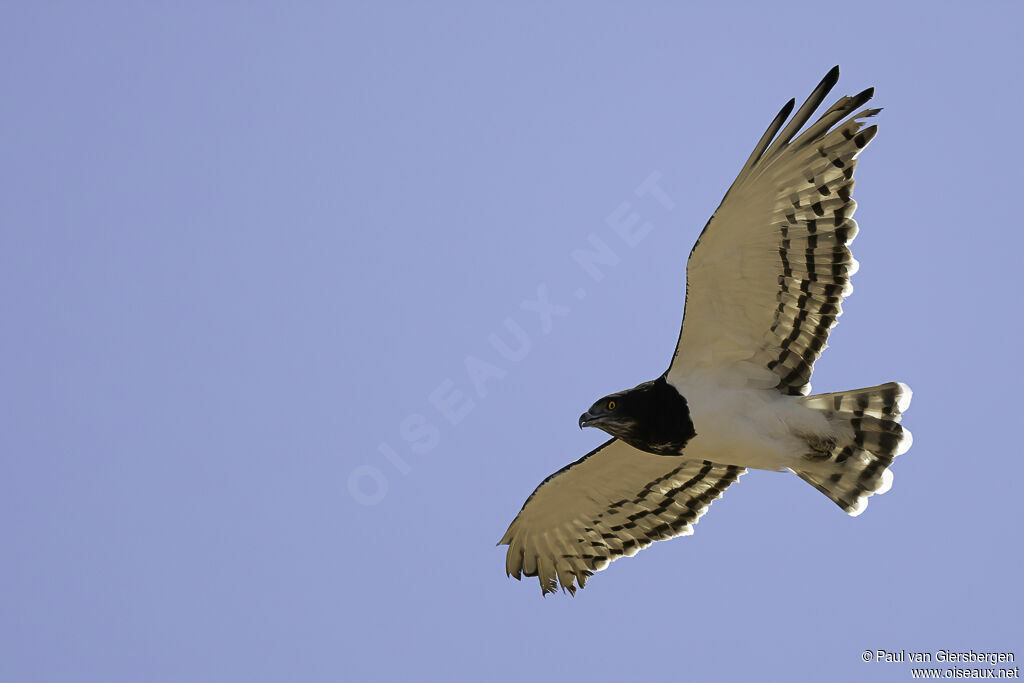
pixel 614 501
pixel 766 279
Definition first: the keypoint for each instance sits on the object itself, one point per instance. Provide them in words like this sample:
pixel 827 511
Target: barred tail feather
pixel 848 473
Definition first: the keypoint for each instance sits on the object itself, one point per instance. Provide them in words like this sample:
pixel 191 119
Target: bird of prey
pixel 765 284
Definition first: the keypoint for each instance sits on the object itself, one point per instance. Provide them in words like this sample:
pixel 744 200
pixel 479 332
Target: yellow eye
pixel 611 405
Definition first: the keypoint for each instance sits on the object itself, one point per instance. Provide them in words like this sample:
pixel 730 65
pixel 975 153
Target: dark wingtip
pixel 786 110
pixel 832 76
pixel 861 97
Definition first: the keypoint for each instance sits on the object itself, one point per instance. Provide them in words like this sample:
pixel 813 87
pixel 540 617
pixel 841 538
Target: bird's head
pixel 615 414
pixel 652 417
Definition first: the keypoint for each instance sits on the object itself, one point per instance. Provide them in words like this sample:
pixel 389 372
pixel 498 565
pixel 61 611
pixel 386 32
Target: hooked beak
pixel 586 419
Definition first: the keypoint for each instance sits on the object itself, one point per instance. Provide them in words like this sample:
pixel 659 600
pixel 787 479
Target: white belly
pixel 757 428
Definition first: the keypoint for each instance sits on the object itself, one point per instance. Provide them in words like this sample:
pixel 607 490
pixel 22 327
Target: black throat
pixel 662 419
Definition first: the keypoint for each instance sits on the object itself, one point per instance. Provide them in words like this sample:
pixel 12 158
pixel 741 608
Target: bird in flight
pixel 765 284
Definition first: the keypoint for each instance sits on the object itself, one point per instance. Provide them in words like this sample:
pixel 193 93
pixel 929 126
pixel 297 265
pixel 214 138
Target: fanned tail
pixel 848 473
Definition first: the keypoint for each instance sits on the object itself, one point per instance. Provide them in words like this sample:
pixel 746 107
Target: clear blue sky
pixel 252 260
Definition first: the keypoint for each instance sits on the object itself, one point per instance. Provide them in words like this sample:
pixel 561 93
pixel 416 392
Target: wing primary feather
pixel 805 111
pixel 769 134
pixel 836 113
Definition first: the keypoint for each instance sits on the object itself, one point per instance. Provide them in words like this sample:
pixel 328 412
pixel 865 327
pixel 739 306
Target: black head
pixel 652 417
